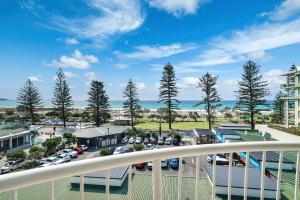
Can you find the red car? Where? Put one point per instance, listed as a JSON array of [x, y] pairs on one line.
[[146, 141], [140, 166], [79, 150]]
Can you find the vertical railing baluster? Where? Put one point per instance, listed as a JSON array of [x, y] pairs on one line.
[[229, 176], [296, 193], [81, 187], [197, 177], [279, 175], [246, 176], [15, 194], [51, 190], [262, 176], [156, 178], [214, 178], [179, 178], [129, 182], [107, 183]]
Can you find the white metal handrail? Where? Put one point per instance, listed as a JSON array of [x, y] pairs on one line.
[[12, 182]]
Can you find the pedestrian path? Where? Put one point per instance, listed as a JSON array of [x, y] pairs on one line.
[[276, 134]]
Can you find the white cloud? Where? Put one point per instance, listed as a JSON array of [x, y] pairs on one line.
[[34, 78], [140, 86], [273, 77], [71, 41], [121, 66], [259, 55], [177, 7], [76, 60], [285, 10], [100, 20], [146, 52], [69, 75], [188, 82], [90, 76]]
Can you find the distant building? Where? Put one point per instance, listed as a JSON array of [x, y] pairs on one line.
[[292, 97], [12, 141], [123, 121], [225, 134], [204, 136], [100, 136]]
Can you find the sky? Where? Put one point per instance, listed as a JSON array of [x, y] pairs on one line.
[[115, 40]]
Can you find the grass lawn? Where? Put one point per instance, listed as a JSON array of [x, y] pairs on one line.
[[186, 126]]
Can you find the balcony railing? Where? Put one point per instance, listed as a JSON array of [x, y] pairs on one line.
[[17, 181]]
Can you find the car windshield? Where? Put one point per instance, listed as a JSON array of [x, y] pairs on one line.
[[221, 155]]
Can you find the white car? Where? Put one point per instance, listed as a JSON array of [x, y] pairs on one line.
[[124, 140], [149, 147], [83, 147], [139, 140], [70, 152], [164, 163], [118, 150], [52, 161], [9, 167], [168, 141], [64, 157], [131, 140], [220, 159]]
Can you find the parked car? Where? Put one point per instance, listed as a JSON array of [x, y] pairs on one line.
[[149, 147], [140, 166], [150, 165], [124, 140], [146, 140], [153, 140], [70, 152], [9, 167], [174, 163], [83, 147], [175, 142], [78, 150], [127, 149], [64, 157], [220, 159], [118, 150], [139, 140], [161, 141], [111, 150], [164, 164], [168, 141], [131, 140], [51, 161]]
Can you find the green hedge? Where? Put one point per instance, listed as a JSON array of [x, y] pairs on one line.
[[291, 130]]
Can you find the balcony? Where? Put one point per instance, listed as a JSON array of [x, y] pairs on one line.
[[54, 182]]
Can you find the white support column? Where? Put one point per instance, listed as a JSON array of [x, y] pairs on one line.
[[179, 187], [81, 187], [15, 194], [107, 184], [156, 180], [197, 177], [286, 114], [262, 176], [296, 193], [214, 175], [229, 176], [1, 143], [129, 182], [278, 188], [51, 190], [246, 177], [10, 143]]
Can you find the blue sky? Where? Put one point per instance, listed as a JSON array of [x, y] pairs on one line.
[[114, 40]]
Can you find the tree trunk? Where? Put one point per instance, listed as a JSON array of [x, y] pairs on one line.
[[252, 120]]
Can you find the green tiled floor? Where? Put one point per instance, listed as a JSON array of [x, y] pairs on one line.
[[141, 190]]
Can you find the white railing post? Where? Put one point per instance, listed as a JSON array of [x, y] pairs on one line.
[[51, 190], [107, 183], [296, 193], [179, 178], [197, 177], [214, 178], [279, 176], [229, 176], [15, 194], [81, 187], [156, 180], [262, 176], [246, 177], [129, 182]]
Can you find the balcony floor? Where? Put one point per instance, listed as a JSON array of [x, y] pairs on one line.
[[142, 189]]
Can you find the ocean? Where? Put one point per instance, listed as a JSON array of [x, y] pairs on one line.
[[117, 104]]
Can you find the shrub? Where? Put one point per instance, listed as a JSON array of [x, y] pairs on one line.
[[17, 154], [36, 152], [291, 130], [51, 143], [30, 164], [138, 147], [104, 152]]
